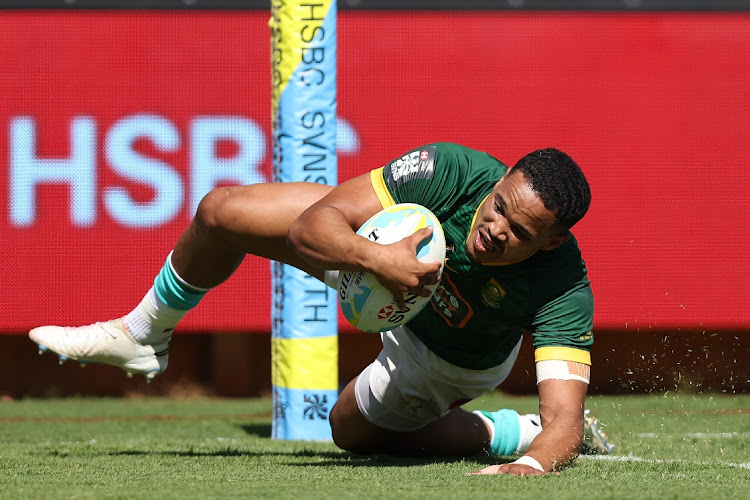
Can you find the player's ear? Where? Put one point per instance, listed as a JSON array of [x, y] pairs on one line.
[[555, 241]]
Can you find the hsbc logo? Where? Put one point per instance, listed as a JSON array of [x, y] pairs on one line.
[[394, 315], [385, 312], [95, 149]]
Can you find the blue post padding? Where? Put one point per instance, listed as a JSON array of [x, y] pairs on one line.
[[304, 149], [303, 306], [302, 414], [305, 123]]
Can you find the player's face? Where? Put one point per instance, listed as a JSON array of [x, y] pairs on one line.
[[512, 224]]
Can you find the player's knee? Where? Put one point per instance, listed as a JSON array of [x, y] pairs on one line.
[[216, 208], [338, 428], [346, 434]]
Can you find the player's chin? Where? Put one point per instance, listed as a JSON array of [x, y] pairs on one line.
[[473, 253], [482, 257]]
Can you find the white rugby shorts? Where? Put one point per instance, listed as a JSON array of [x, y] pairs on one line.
[[408, 385]]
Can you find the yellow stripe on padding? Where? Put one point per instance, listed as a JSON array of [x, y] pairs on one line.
[[287, 22], [306, 363], [563, 354], [378, 184]]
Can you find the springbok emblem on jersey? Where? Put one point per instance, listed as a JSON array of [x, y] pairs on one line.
[[492, 294]]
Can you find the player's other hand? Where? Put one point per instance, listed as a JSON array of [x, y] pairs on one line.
[[511, 469]]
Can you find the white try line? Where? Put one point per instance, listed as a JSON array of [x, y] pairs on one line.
[[633, 458], [695, 435]]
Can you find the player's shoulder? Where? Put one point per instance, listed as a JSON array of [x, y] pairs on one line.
[[441, 167]]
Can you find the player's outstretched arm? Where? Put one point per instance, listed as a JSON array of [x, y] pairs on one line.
[[325, 236], [561, 405]]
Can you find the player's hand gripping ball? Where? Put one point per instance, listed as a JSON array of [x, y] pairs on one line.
[[368, 305]]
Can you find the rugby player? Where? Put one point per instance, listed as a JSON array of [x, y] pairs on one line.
[[512, 265]]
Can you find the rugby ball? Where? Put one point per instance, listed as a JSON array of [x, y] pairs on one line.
[[366, 304]]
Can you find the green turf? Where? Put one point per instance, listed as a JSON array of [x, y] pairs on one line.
[[668, 446]]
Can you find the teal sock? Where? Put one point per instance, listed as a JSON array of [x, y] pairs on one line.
[[174, 291], [506, 435]]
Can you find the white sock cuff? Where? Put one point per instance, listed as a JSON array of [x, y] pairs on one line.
[[489, 423]]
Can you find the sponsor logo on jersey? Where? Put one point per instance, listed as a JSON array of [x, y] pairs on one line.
[[417, 164], [492, 294], [449, 303]]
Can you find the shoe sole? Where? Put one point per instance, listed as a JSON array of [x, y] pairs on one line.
[[136, 366], [595, 440]]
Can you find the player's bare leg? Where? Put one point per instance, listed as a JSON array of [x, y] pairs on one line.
[[230, 223], [457, 433]]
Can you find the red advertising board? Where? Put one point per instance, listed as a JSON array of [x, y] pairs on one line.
[[114, 123]]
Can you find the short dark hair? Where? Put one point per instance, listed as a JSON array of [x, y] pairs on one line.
[[559, 183]]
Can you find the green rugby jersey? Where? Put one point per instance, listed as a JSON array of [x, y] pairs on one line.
[[479, 312]]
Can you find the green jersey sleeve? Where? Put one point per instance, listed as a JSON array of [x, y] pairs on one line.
[[565, 322]]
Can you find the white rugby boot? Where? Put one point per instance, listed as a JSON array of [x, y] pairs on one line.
[[106, 342], [595, 441]]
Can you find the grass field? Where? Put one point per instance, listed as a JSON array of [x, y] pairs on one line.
[[668, 446]]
